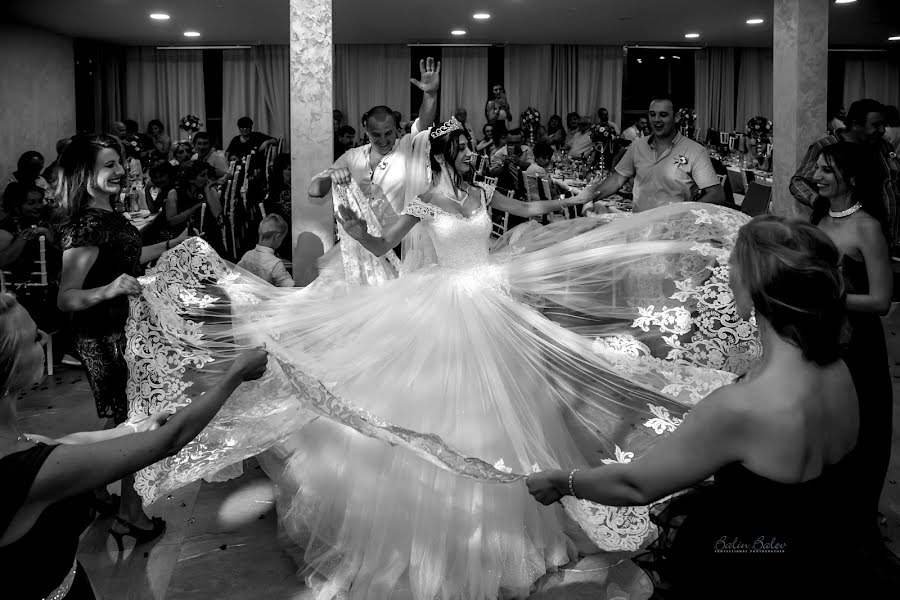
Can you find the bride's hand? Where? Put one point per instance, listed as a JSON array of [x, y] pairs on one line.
[[351, 222], [543, 486], [429, 76]]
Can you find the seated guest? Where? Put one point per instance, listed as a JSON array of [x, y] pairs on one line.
[[579, 144], [145, 143], [261, 261], [571, 128], [487, 146], [892, 127], [666, 166], [836, 121], [182, 153], [247, 141], [508, 162], [278, 197], [28, 170], [344, 140], [865, 130], [205, 152], [780, 443], [162, 181], [636, 130], [543, 154], [133, 168], [23, 219], [338, 119], [603, 119], [556, 135], [162, 143], [47, 482], [184, 206]]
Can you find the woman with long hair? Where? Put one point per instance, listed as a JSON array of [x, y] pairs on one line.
[[850, 211], [162, 143], [556, 133], [47, 483], [102, 255], [496, 109], [194, 203]]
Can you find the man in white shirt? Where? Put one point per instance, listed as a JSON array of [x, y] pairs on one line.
[[261, 261], [603, 119], [581, 142], [636, 130], [667, 167], [206, 153]]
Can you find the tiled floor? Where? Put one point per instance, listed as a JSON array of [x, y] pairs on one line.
[[221, 540]]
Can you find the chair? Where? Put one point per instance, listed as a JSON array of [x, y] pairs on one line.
[[757, 200], [722, 174]]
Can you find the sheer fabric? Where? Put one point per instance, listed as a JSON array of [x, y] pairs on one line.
[[401, 417]]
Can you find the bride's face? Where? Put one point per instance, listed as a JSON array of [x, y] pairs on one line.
[[463, 162]]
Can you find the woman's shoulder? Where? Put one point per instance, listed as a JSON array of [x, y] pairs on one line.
[[90, 227]]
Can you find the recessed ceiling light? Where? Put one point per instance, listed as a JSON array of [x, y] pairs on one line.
[[676, 56], [481, 16], [640, 61], [159, 16], [844, 1], [458, 32], [692, 35], [191, 34], [662, 58], [754, 21], [894, 38]]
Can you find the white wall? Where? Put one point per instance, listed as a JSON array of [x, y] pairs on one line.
[[37, 93]]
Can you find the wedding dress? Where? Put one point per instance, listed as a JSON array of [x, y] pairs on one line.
[[404, 415]]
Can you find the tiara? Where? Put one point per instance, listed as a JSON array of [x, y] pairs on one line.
[[451, 125]]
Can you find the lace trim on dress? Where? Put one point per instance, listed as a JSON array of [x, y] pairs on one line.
[[424, 210]]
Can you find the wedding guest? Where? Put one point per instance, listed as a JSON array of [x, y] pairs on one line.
[[262, 261], [102, 255], [50, 174], [543, 154], [780, 442], [162, 143], [118, 129], [205, 152], [865, 130], [892, 127], [850, 212], [579, 143], [185, 206], [636, 130], [603, 119], [23, 219], [144, 141], [836, 121], [344, 140], [162, 181], [246, 141], [571, 128], [338, 119], [509, 161], [278, 198], [497, 110], [487, 146], [462, 115], [556, 134], [182, 153], [47, 482], [666, 166], [28, 170]]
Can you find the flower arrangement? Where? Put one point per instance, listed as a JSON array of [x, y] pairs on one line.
[[190, 123], [602, 134], [687, 116], [531, 122], [759, 128]]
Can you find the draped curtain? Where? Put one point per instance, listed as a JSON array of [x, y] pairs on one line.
[[871, 76], [164, 85], [255, 83], [529, 80], [714, 90], [565, 82], [755, 85], [109, 88], [464, 84], [368, 75], [601, 72]]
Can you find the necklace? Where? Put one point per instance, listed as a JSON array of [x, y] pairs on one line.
[[844, 213], [459, 201]]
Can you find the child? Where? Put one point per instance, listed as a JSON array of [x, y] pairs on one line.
[[261, 261]]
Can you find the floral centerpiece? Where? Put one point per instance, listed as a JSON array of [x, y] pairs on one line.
[[603, 136], [531, 123], [760, 129], [686, 119], [190, 123]]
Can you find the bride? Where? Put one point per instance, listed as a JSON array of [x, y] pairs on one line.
[[403, 417]]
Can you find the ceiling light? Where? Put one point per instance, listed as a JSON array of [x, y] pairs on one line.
[[458, 32], [844, 1], [894, 38], [640, 61], [692, 35], [481, 16], [676, 56], [159, 16], [191, 34], [662, 58], [754, 21]]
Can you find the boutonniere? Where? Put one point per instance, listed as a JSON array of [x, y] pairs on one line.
[[893, 155], [681, 160]]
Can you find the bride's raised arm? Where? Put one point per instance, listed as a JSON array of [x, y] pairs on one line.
[[356, 227], [504, 203]]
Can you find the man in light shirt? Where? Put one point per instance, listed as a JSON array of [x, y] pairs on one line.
[[261, 261], [206, 153], [667, 167], [636, 130], [581, 142], [603, 119], [508, 162]]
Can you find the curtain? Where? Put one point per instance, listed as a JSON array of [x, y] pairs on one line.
[[369, 75], [529, 80], [255, 83], [164, 85], [755, 85], [600, 79], [871, 76], [565, 82], [714, 90], [109, 86], [464, 84]]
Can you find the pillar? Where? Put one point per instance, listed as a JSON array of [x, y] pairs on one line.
[[800, 90], [311, 81]]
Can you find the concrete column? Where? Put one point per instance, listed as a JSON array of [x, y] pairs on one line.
[[312, 150], [800, 90]]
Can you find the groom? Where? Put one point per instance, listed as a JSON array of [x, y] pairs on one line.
[[379, 167]]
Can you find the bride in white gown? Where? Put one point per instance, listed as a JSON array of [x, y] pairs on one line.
[[379, 403]]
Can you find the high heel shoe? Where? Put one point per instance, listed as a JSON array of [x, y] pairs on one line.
[[140, 535]]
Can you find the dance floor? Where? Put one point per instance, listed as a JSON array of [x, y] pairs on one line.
[[221, 538]]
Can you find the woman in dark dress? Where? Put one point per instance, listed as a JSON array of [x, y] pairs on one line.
[[102, 255], [184, 206], [850, 211], [780, 443], [46, 504]]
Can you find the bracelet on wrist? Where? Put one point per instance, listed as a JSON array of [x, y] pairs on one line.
[[572, 483]]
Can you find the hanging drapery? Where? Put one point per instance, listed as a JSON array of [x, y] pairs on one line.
[[565, 82], [600, 79], [755, 85], [164, 85], [369, 75], [255, 84], [714, 90], [109, 88], [464, 84], [871, 76], [529, 80]]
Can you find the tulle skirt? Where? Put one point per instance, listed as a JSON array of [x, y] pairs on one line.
[[542, 357]]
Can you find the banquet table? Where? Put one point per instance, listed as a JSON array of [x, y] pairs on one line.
[[736, 178], [142, 222]]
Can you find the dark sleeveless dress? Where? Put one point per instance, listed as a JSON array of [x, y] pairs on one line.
[[37, 563]]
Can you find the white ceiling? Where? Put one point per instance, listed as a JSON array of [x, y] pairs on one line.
[[866, 23]]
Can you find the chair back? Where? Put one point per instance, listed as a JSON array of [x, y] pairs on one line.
[[757, 200], [722, 174]]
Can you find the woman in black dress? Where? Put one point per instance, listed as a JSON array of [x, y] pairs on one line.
[[46, 504], [781, 444], [184, 206], [102, 255], [849, 209]]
